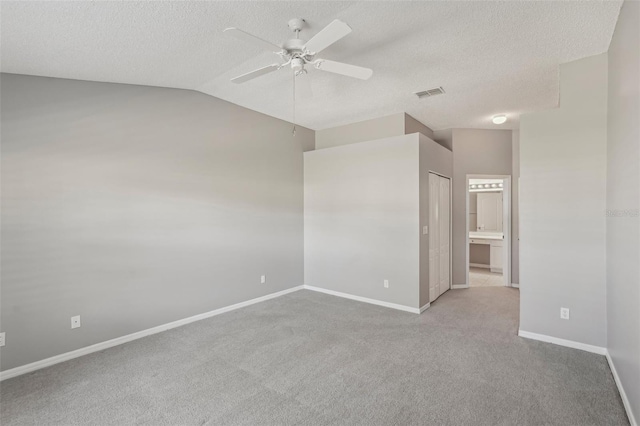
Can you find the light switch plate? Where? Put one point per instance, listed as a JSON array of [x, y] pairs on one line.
[[2, 339], [425, 230], [263, 279]]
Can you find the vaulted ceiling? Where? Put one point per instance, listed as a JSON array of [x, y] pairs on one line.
[[490, 57]]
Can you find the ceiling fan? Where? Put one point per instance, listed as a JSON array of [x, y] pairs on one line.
[[297, 53]]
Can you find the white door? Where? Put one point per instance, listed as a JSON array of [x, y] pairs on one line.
[[434, 235], [490, 211], [444, 237], [439, 236]]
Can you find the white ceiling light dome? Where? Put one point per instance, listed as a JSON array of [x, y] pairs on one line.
[[499, 119]]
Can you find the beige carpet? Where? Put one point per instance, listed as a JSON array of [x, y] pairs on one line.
[[313, 359]]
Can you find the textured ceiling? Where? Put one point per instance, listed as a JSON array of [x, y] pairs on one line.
[[490, 57]]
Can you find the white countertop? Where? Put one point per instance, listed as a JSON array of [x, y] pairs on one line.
[[481, 235]]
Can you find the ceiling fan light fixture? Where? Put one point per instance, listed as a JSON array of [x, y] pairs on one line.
[[297, 64], [499, 119]]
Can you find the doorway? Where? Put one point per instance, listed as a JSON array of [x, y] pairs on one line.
[[488, 260]]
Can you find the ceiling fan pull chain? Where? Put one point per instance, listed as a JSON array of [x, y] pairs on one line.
[[294, 104]]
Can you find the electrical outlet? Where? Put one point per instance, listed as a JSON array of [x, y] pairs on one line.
[[386, 283], [263, 279], [75, 321], [2, 339], [564, 313]]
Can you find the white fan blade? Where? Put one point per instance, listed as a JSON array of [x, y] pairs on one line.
[[344, 69], [255, 73], [303, 86], [327, 36], [250, 38]]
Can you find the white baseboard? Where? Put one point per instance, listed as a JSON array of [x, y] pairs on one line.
[[364, 299], [459, 286], [479, 265], [27, 368], [425, 307], [514, 285], [563, 342], [623, 394]]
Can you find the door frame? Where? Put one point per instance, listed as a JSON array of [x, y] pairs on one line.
[[506, 226], [450, 228]]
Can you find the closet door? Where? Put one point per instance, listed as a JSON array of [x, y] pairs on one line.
[[434, 236], [443, 230]]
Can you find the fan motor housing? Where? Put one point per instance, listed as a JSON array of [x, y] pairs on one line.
[[294, 45]]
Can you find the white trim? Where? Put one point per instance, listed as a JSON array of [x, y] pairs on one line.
[[459, 286], [364, 299], [514, 285], [27, 368], [623, 394], [479, 265], [563, 342], [425, 307]]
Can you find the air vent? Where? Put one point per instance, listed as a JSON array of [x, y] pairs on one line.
[[430, 92]]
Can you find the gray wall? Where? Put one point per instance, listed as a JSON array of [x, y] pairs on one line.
[[368, 130], [433, 158], [377, 128], [444, 138], [623, 202], [411, 125], [481, 152], [480, 254], [136, 206], [562, 208], [361, 219]]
